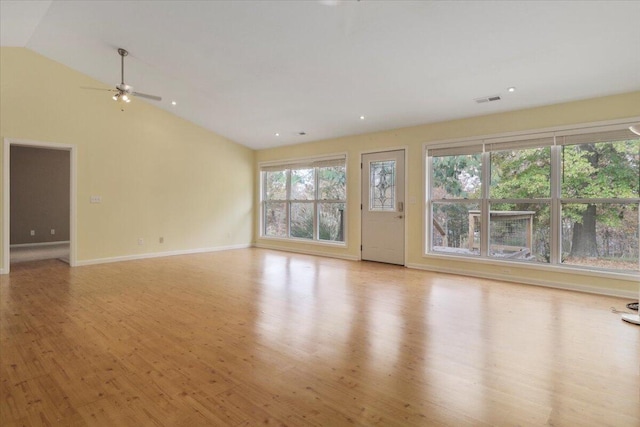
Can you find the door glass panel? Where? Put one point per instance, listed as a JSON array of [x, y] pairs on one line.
[[382, 186]]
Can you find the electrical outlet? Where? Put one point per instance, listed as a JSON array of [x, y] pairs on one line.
[[161, 239], [33, 232], [96, 199], [53, 231], [140, 241]]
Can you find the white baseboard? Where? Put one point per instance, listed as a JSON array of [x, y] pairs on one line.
[[35, 245], [531, 281], [158, 254], [2, 271], [306, 252]]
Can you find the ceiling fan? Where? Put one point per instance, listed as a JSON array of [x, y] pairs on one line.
[[124, 92]]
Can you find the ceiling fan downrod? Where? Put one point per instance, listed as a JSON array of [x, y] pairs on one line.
[[123, 53]]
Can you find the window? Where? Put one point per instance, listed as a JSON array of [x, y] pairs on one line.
[[456, 187], [599, 199], [571, 198], [305, 200]]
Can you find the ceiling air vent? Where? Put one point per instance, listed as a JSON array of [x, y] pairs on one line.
[[487, 99]]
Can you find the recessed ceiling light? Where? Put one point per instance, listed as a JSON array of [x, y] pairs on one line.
[[277, 134], [511, 89], [361, 117], [173, 103]]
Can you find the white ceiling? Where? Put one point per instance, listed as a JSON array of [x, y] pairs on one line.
[[249, 69]]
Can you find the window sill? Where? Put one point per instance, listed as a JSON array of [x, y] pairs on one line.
[[304, 241], [566, 269]]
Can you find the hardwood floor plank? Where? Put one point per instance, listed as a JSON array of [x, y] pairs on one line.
[[262, 407], [252, 336]]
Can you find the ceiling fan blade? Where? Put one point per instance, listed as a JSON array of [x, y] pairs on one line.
[[144, 95], [98, 88]]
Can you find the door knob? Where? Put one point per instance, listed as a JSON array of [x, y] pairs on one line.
[[399, 216]]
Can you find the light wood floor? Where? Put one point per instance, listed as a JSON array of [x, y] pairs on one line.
[[252, 337]]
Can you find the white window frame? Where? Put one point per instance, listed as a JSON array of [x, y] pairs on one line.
[[287, 166], [512, 140]]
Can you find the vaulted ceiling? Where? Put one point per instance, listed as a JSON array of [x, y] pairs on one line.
[[249, 70]]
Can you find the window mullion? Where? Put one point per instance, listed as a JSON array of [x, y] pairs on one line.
[[263, 202], [288, 195], [484, 204], [316, 212], [556, 207], [428, 213]]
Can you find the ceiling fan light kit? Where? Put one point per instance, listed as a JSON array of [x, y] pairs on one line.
[[120, 97]]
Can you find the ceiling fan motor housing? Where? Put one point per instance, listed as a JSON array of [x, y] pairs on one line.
[[124, 88]]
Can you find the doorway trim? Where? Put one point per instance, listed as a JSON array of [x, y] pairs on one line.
[[6, 193], [405, 149]]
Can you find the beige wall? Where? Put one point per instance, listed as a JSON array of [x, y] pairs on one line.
[[39, 195], [158, 175], [593, 110]]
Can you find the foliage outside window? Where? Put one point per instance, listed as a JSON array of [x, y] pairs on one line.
[[569, 198], [305, 200]]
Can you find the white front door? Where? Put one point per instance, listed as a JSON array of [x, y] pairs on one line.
[[383, 209]]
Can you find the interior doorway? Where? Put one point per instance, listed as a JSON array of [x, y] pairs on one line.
[[38, 202], [383, 207]]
